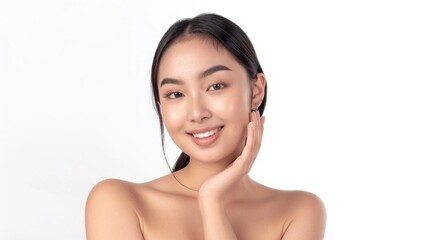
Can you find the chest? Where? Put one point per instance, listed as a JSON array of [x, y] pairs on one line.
[[181, 219]]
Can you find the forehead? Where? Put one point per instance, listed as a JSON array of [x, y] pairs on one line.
[[188, 57]]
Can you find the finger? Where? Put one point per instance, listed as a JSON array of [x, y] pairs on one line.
[[262, 125], [251, 136], [258, 121], [245, 159], [259, 128], [254, 144]]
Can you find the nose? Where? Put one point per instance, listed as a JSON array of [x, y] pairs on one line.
[[197, 109]]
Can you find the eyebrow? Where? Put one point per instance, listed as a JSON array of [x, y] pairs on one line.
[[206, 73], [214, 69], [171, 81]]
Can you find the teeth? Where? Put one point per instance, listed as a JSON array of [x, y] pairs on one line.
[[206, 134]]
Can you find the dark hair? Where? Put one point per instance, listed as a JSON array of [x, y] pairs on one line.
[[222, 31]]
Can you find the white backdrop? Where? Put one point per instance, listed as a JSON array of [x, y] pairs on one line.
[[347, 113]]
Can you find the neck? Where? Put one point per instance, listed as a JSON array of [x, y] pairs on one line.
[[196, 173]]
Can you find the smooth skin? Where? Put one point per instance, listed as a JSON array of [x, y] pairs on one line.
[[203, 88]]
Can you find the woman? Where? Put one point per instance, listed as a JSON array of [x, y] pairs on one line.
[[210, 92]]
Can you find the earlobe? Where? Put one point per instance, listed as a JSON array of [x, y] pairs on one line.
[[256, 106]]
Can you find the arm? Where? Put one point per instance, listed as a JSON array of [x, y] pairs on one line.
[[215, 221], [109, 213], [309, 221], [210, 197]]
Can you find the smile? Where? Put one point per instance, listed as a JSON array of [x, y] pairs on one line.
[[205, 138], [207, 134]]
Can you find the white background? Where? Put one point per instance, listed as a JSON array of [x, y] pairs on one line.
[[347, 113]]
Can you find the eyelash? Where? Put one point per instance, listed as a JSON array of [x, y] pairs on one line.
[[223, 85], [173, 95]]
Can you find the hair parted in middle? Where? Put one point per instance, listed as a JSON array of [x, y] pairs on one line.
[[223, 32]]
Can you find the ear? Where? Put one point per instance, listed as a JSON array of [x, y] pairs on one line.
[[258, 90]]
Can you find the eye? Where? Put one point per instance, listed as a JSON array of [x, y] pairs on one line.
[[173, 95], [216, 86]]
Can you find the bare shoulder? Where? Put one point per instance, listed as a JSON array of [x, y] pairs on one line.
[[110, 191], [304, 201], [306, 215], [110, 211]]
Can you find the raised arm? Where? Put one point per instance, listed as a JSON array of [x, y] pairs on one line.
[[212, 192], [109, 213]]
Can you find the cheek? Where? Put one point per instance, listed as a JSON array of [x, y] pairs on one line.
[[237, 105], [172, 116]]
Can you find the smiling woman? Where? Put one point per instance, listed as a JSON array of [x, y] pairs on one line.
[[210, 92]]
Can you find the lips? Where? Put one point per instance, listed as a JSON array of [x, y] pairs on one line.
[[207, 134], [205, 137]]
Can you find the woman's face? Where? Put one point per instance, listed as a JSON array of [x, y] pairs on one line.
[[205, 100]]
